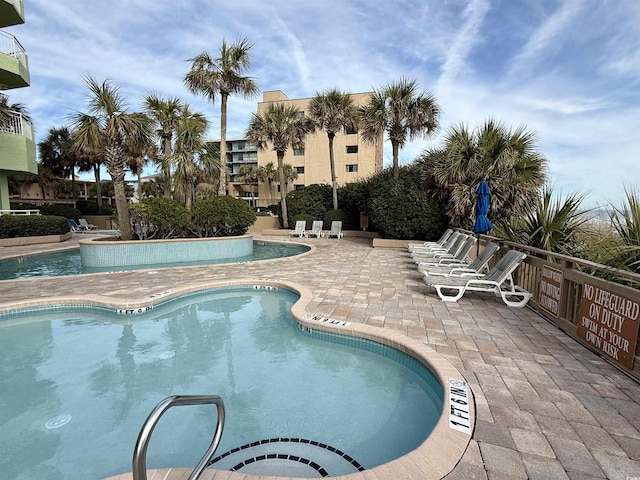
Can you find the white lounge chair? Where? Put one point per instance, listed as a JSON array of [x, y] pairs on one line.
[[451, 251], [498, 280], [87, 225], [449, 267], [426, 249], [299, 230], [336, 229], [316, 229], [447, 233]]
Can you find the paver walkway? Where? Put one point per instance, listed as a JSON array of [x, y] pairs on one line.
[[547, 408]]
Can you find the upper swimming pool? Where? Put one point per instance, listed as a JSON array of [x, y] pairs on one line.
[[68, 262], [78, 383]]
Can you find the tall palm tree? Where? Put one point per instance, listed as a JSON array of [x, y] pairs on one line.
[[267, 173], [58, 155], [282, 127], [91, 162], [400, 111], [190, 144], [333, 112], [137, 155], [507, 159], [290, 175], [249, 175], [222, 76], [108, 128], [165, 113]]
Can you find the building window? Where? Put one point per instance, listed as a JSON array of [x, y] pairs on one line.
[[352, 148], [298, 186], [299, 114], [298, 152], [299, 170], [352, 130], [353, 167]]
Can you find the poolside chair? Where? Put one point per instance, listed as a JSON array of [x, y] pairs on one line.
[[336, 229], [299, 230], [460, 257], [87, 225], [426, 249], [450, 267], [497, 280], [316, 229], [74, 226], [450, 252], [447, 233]]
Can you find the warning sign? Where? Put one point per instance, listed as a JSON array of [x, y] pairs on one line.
[[609, 322], [550, 290]]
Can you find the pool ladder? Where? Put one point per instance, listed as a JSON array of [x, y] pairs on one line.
[[140, 452]]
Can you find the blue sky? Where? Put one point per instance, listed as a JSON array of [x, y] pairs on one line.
[[569, 70]]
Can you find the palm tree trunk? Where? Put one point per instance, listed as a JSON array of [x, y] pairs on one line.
[[283, 190], [222, 187], [96, 174], [115, 167], [334, 181], [396, 167], [166, 167]]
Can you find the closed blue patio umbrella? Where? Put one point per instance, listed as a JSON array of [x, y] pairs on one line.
[[482, 225]]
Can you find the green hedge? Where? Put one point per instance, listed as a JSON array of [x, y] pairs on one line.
[[221, 217], [12, 226]]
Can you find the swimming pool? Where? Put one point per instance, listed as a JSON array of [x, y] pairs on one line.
[[68, 262], [77, 384]]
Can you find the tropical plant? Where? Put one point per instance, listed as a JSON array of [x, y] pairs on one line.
[[626, 223], [165, 113], [189, 147], [222, 76], [290, 175], [248, 174], [8, 111], [108, 128], [159, 217], [58, 155], [555, 224], [267, 173], [400, 111], [507, 159], [221, 217], [137, 155], [92, 161], [281, 127], [333, 111]]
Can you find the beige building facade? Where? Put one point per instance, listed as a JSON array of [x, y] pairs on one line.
[[354, 158]]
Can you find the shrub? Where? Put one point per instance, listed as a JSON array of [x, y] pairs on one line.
[[399, 209], [221, 217], [307, 218], [12, 226], [312, 200], [159, 217], [334, 215], [66, 211], [352, 200]]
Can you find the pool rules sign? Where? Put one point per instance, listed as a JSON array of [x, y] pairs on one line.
[[609, 322]]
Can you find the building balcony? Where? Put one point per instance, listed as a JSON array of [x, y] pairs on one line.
[[17, 145], [11, 13], [14, 63]]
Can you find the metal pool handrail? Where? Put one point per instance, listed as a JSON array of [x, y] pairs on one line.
[[140, 452]]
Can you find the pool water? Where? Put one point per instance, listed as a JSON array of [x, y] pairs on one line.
[[68, 262], [76, 385]]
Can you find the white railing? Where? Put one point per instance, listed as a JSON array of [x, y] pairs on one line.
[[19, 212], [10, 45], [16, 124]]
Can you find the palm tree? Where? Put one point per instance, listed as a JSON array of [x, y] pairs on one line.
[[165, 113], [137, 156], [282, 127], [108, 128], [91, 162], [249, 175], [400, 111], [190, 144], [333, 112], [58, 155], [626, 223], [222, 76], [289, 176], [507, 159], [267, 173]]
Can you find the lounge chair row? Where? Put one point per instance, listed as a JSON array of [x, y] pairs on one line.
[[82, 226], [316, 229], [445, 266]]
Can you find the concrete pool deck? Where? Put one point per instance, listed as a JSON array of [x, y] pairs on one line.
[[546, 407]]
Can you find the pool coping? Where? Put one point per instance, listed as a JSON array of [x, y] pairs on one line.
[[433, 459]]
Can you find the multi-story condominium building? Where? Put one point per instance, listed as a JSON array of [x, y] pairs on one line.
[[354, 158], [17, 142]]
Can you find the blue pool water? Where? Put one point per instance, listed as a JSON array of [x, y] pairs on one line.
[[68, 262], [76, 385]]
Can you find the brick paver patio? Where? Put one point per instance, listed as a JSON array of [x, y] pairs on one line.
[[546, 407]]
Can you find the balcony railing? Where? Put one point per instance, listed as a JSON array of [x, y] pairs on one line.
[[9, 45], [14, 123]]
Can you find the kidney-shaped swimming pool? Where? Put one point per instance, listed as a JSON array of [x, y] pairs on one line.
[[78, 383]]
